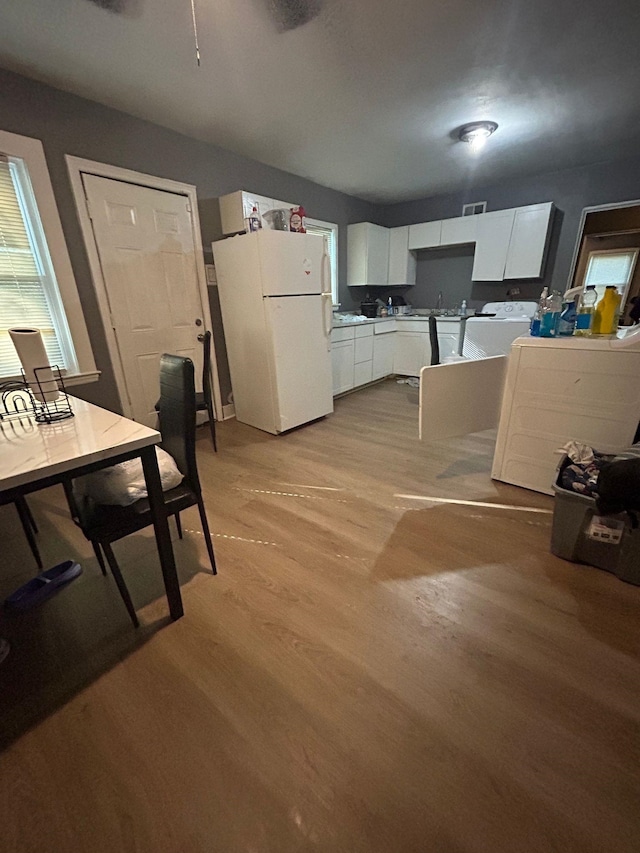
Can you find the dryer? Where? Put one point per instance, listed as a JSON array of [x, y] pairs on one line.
[[493, 335]]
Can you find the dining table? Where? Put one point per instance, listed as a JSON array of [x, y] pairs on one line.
[[34, 456]]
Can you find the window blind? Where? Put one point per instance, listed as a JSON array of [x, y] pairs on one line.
[[611, 268], [329, 233], [24, 279]]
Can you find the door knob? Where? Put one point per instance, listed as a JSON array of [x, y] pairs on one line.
[[201, 338]]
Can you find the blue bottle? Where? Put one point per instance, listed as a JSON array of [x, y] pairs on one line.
[[567, 321], [551, 315]]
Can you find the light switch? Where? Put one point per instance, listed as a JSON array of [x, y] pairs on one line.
[[211, 274]]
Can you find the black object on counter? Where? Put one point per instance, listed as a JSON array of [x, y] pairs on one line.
[[369, 307]]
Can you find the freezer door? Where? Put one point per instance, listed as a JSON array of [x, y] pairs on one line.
[[301, 359], [290, 263]]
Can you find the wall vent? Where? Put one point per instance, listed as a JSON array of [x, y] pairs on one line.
[[474, 207]]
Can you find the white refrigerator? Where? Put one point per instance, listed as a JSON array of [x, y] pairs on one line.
[[275, 298]]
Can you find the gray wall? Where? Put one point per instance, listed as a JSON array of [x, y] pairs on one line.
[[67, 124], [449, 270]]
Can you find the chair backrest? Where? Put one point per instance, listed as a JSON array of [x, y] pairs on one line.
[[433, 340], [206, 367], [177, 415]]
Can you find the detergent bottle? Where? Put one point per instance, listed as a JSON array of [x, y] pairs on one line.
[[605, 316], [584, 317]]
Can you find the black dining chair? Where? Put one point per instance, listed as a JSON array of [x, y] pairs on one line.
[[102, 525], [204, 398], [433, 340]]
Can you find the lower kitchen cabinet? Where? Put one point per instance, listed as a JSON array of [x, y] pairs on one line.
[[342, 359], [412, 352], [383, 349]]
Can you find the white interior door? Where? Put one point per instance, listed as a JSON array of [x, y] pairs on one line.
[[144, 239]]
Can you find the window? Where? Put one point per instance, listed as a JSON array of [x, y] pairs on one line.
[[328, 230], [613, 266], [37, 288]]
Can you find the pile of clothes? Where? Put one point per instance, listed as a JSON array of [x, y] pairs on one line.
[[613, 481]]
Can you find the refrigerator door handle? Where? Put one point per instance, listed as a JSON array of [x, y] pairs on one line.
[[327, 306]]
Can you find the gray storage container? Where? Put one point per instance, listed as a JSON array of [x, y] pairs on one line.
[[572, 516]]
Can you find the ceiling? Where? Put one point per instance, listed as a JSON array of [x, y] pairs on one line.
[[365, 95]]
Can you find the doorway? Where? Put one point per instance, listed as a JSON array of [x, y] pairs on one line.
[[143, 241], [607, 252]]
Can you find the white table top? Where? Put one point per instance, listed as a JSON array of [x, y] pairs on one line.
[[30, 451]]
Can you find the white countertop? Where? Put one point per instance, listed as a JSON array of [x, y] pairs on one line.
[[395, 318]]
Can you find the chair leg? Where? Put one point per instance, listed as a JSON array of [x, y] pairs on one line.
[[23, 512], [117, 574], [207, 534], [212, 426], [178, 525], [99, 557]]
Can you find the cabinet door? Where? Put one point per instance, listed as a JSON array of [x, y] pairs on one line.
[[363, 349], [367, 254], [462, 229], [362, 373], [342, 366], [383, 348], [528, 244], [492, 244], [412, 351], [425, 235], [402, 263]]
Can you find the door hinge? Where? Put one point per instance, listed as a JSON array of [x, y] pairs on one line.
[[88, 203], [188, 208]]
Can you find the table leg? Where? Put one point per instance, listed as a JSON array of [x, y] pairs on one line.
[[161, 527]]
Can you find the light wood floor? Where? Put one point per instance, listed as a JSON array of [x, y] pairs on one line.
[[368, 672]]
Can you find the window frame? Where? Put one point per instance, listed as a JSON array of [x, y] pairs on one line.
[[631, 250], [333, 257], [31, 152]]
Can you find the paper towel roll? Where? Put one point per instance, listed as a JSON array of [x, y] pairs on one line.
[[31, 352]]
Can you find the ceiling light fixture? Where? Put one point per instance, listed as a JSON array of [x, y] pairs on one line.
[[477, 132]]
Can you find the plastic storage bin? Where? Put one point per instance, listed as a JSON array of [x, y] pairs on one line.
[[572, 517]]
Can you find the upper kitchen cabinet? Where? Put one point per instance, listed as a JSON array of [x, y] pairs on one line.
[[402, 262], [367, 254], [462, 229], [529, 239], [493, 234], [425, 235], [236, 207]]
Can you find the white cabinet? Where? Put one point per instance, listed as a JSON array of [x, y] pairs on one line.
[[363, 355], [425, 235], [342, 353], [236, 207], [528, 243], [367, 254], [402, 263], [412, 351], [383, 350], [493, 234], [460, 230]]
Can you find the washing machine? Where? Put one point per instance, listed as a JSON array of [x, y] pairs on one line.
[[494, 333]]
